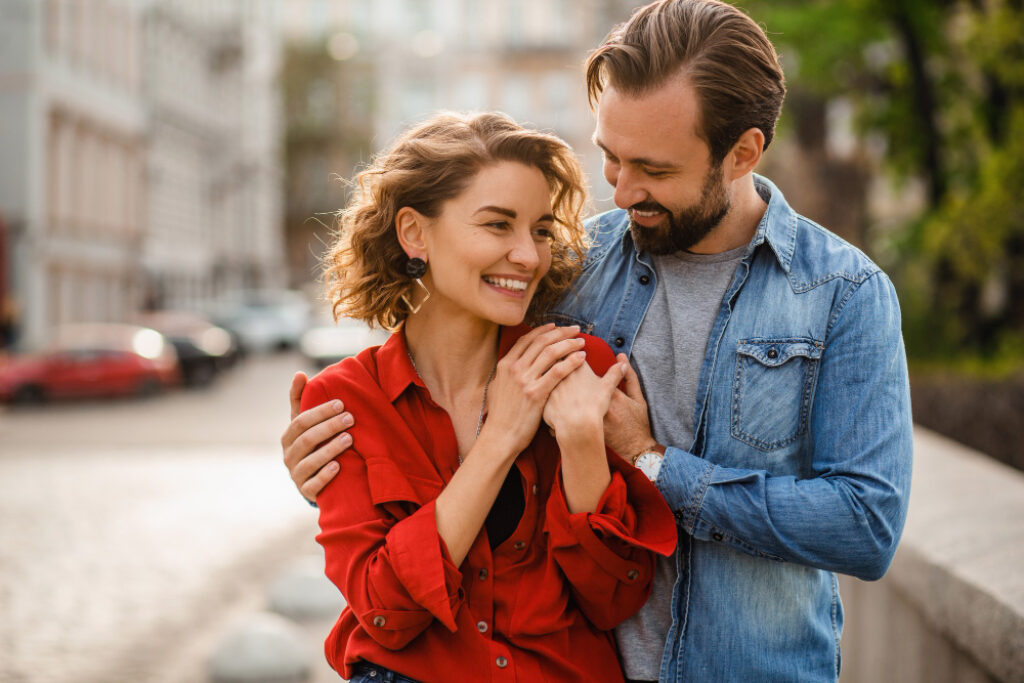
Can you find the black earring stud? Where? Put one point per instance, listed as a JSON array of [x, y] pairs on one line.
[[415, 267]]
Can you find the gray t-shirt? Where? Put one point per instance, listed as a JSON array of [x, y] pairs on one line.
[[667, 355]]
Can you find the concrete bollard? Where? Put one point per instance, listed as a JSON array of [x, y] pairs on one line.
[[302, 592], [264, 648]]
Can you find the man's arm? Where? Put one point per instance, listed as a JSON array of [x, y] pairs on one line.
[[847, 516], [313, 440]]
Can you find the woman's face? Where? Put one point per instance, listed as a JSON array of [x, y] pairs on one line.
[[490, 246]]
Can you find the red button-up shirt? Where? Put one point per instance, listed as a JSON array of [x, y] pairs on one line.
[[533, 609]]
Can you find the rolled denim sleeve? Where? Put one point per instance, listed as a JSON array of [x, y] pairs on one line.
[[847, 514]]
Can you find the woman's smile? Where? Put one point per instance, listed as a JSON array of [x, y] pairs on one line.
[[509, 285]]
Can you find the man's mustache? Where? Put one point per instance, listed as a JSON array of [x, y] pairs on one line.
[[648, 206]]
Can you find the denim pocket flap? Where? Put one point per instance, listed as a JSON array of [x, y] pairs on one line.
[[775, 352]]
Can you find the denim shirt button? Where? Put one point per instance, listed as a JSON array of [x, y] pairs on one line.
[[619, 341], [644, 279], [773, 353], [717, 536]]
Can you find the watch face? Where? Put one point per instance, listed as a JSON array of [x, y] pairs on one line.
[[650, 464]]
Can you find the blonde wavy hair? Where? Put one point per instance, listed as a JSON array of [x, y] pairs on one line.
[[364, 269]]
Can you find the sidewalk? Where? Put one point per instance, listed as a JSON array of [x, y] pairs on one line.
[[129, 565]]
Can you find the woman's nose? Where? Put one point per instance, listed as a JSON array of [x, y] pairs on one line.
[[524, 251]]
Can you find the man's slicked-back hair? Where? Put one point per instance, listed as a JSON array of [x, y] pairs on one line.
[[721, 52]]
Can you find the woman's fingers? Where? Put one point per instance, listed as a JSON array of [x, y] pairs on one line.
[[524, 342], [541, 342], [552, 353], [557, 372]]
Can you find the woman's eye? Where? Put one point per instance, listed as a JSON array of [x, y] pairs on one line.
[[499, 225], [543, 233]]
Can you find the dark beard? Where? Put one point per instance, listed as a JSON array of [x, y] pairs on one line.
[[680, 231]]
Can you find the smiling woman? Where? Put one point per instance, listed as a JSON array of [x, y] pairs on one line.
[[463, 536], [427, 166]]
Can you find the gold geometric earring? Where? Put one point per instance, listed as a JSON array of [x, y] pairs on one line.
[[415, 268]]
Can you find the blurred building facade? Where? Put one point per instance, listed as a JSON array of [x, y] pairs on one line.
[[384, 65], [139, 155]]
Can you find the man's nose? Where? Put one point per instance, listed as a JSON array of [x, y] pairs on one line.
[[627, 190]]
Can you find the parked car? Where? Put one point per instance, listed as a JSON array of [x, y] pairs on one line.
[[328, 343], [92, 360], [264, 319], [203, 348]]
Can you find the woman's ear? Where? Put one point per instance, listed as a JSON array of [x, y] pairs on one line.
[[409, 226]]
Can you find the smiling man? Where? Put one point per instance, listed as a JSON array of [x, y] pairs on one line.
[[777, 415]]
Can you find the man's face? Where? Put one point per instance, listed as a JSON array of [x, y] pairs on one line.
[[660, 168]]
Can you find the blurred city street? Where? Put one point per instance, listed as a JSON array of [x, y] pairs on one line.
[[136, 531]]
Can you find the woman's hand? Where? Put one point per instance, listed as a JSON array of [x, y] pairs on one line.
[[577, 406], [524, 379], [575, 411]]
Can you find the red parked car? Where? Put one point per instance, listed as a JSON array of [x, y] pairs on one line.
[[92, 360]]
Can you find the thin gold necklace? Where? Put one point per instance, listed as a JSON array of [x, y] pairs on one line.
[[483, 403]]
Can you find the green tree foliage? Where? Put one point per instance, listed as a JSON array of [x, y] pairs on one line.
[[941, 83]]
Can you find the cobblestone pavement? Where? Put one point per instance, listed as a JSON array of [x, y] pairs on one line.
[[133, 532]]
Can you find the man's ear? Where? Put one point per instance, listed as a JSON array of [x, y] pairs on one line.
[[409, 226], [745, 155]]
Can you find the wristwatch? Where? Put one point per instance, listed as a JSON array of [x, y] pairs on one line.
[[649, 462]]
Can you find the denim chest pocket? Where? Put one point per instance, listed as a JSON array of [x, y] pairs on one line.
[[772, 390]]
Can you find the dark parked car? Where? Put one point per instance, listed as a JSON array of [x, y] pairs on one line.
[[203, 348], [92, 360]]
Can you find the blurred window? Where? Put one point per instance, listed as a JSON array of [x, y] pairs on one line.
[[515, 97], [471, 92], [513, 23], [558, 86]]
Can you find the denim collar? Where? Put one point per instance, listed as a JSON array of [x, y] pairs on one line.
[[777, 226]]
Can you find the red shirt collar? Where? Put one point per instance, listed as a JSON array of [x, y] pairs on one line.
[[396, 369]]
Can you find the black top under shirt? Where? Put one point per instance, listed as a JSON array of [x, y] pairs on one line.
[[507, 510]]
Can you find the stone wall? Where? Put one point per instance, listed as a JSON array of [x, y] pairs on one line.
[[951, 607]]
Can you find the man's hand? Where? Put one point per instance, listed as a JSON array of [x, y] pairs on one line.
[[627, 426], [313, 439]]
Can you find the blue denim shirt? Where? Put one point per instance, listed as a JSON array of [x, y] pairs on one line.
[[801, 460]]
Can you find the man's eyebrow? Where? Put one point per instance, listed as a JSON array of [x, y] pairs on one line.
[[638, 161], [510, 212]]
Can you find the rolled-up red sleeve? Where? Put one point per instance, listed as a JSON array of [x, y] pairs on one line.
[[395, 571], [608, 556]]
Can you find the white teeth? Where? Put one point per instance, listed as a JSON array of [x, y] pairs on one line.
[[645, 214], [505, 283]]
